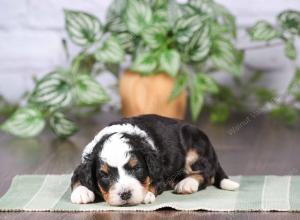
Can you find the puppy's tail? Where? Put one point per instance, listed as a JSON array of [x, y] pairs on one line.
[[222, 181]]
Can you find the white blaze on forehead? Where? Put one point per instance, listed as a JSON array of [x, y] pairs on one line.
[[115, 151], [121, 128]]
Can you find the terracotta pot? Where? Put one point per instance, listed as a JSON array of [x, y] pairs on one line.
[[149, 95]]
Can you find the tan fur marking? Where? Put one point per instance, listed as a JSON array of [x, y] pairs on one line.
[[104, 194], [191, 157], [133, 162], [212, 180], [104, 168], [75, 185], [198, 177]]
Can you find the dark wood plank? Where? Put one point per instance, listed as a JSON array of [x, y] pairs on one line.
[[260, 147]]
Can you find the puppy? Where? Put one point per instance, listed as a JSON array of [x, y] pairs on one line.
[[133, 160]]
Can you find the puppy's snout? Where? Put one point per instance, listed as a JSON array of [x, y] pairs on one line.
[[125, 195]]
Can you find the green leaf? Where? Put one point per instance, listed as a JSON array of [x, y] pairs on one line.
[[204, 82], [174, 12], [228, 20], [115, 10], [264, 95], [25, 122], [170, 62], [110, 51], [290, 49], [294, 86], [290, 21], [88, 92], [219, 113], [185, 27], [264, 31], [285, 114], [53, 90], [138, 16], [226, 57], [199, 45], [180, 85], [160, 16], [83, 29], [204, 6], [154, 36], [144, 63], [62, 126], [126, 40], [196, 102]]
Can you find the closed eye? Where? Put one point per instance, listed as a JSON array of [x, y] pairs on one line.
[[103, 174]]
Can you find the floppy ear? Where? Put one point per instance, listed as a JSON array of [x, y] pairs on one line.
[[155, 167], [153, 163], [84, 175]]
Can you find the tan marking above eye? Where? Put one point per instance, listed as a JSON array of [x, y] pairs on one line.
[[133, 162], [104, 168]]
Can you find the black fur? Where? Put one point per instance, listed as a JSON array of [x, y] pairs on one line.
[[165, 165]]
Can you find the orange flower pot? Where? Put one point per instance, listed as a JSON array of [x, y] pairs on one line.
[[150, 95]]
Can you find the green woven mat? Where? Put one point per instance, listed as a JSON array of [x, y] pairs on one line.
[[257, 193]]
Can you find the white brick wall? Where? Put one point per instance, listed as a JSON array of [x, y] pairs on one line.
[[31, 33]]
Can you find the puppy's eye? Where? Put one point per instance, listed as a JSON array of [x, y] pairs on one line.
[[103, 174], [137, 168]]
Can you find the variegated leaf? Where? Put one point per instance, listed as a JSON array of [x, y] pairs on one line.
[[144, 63], [138, 16], [205, 83], [263, 30], [180, 85], [290, 49], [110, 51], [290, 21], [62, 126], [87, 91], [226, 57], [170, 62], [25, 122], [174, 12], [185, 27], [204, 6], [154, 36], [126, 41], [115, 10], [83, 29], [199, 45], [53, 90], [196, 101]]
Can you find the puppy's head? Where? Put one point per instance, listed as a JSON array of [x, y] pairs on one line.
[[122, 171]]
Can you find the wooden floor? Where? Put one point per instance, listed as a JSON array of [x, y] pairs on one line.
[[258, 146]]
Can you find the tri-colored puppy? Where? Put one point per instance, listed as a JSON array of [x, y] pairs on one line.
[[133, 160]]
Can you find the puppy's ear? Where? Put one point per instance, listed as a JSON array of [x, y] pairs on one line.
[[84, 175], [190, 136], [153, 163]]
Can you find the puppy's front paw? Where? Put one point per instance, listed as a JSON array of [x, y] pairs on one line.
[[149, 198], [187, 186], [82, 195]]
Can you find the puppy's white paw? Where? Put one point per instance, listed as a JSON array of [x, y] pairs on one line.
[[149, 198], [187, 186], [82, 195]]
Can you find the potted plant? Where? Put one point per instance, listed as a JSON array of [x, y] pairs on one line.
[[173, 48]]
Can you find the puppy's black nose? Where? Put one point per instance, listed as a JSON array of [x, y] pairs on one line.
[[125, 195]]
